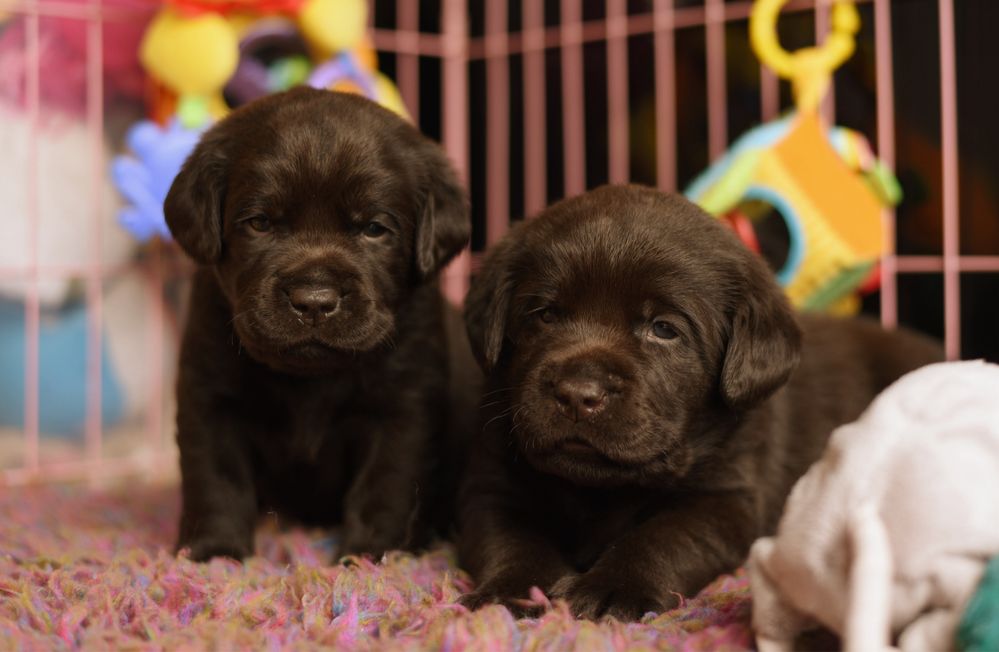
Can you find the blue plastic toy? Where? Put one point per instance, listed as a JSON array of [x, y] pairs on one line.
[[144, 181]]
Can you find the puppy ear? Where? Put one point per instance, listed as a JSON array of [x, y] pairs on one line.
[[444, 226], [193, 206], [764, 342], [488, 302]]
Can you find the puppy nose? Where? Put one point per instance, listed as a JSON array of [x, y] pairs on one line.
[[580, 398], [314, 303]]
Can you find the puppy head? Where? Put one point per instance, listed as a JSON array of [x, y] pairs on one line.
[[320, 213], [629, 327]]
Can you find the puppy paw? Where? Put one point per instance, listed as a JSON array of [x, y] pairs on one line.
[[205, 548], [360, 540], [490, 593], [594, 595], [481, 597], [374, 535], [372, 550]]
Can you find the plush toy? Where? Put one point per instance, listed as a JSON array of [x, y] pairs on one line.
[[51, 222], [889, 533], [58, 213], [824, 182]]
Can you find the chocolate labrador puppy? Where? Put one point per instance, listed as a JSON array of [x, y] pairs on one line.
[[652, 398], [314, 367]]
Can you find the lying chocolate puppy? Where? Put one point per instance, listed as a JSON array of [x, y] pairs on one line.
[[651, 399], [314, 367]]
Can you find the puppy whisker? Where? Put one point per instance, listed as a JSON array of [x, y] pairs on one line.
[[501, 415], [497, 391], [491, 403]]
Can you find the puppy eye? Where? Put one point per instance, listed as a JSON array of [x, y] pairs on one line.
[[260, 224], [548, 315], [374, 229], [664, 331]]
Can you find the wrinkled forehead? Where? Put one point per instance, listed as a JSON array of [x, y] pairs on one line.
[[330, 166], [615, 261]]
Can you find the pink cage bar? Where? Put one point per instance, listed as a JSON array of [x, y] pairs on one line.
[[451, 46]]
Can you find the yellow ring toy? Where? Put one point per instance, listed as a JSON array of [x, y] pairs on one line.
[[809, 69]]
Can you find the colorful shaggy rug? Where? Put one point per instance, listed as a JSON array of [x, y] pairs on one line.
[[94, 571]]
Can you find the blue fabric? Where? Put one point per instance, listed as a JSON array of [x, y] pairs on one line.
[[979, 628], [62, 371]]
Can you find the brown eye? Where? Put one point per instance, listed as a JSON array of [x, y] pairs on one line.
[[664, 331], [374, 230], [260, 224], [547, 315]]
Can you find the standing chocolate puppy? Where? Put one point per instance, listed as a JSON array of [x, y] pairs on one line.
[[651, 399], [314, 367]]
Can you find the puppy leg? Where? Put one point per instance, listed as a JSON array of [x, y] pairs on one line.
[[507, 558], [381, 509], [675, 553], [219, 501], [501, 543]]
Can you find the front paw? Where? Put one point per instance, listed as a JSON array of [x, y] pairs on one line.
[[595, 594], [363, 539], [516, 600], [215, 536], [373, 533], [204, 548], [354, 546]]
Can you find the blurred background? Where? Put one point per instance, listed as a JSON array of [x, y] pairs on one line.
[[533, 99]]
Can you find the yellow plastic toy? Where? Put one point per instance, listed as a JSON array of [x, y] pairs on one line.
[[824, 182], [206, 57], [204, 53]]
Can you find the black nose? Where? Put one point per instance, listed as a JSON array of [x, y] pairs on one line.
[[314, 303], [580, 398]]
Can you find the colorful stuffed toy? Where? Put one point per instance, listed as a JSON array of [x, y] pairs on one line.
[[59, 219], [194, 47], [888, 535], [50, 222], [209, 56], [824, 182]]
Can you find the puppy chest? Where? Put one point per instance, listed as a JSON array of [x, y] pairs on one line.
[[304, 464], [299, 426], [591, 523]]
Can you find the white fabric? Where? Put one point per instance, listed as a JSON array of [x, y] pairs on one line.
[[889, 532]]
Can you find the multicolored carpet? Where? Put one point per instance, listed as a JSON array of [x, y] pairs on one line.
[[94, 571]]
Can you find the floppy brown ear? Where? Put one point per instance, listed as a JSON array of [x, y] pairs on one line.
[[764, 342], [488, 303], [193, 206], [444, 225]]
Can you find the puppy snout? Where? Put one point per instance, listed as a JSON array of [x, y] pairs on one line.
[[580, 398], [313, 303]]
